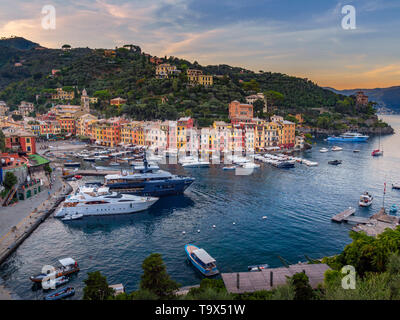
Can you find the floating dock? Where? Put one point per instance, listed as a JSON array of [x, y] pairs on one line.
[[358, 220], [340, 217]]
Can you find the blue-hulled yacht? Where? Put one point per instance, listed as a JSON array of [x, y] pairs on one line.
[[148, 182]]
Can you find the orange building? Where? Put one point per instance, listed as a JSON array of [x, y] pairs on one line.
[[50, 127], [239, 112], [118, 101], [67, 124], [20, 140]]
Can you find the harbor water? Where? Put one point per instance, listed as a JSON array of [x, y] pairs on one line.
[[298, 204]]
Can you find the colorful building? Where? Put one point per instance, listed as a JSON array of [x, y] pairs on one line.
[[197, 77], [67, 124], [26, 108], [20, 140], [239, 112], [118, 101], [60, 94], [164, 70], [287, 134]]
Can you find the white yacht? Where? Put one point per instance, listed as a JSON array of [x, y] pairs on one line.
[[250, 165], [336, 148], [92, 201], [196, 164], [323, 150]]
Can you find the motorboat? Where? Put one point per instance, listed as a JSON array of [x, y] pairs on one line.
[[377, 153], [72, 164], [60, 293], [250, 165], [114, 164], [258, 267], [393, 209], [284, 164], [365, 200], [310, 163], [196, 164], [356, 151], [94, 201], [60, 281], [323, 150], [396, 186], [89, 159], [348, 137], [67, 266], [335, 162], [70, 217], [201, 260], [336, 148], [229, 168]]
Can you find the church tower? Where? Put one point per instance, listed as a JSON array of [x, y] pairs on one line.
[[85, 101]]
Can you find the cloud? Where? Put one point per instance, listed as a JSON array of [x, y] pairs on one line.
[[302, 39]]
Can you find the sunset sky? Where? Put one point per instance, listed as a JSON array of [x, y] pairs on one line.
[[300, 38]]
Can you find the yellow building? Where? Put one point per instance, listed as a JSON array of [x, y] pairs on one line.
[[197, 77], [165, 69], [205, 80], [63, 95], [287, 134], [83, 125]]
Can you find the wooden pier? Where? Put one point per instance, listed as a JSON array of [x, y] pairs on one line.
[[358, 220], [340, 217], [268, 279]]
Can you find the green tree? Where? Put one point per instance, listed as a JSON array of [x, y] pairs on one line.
[[96, 287], [10, 180], [48, 169], [155, 277], [302, 288], [274, 97]]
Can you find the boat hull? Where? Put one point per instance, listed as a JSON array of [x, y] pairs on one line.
[[158, 188], [114, 209], [340, 139], [60, 294]]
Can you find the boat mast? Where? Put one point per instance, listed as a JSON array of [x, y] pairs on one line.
[[384, 193]]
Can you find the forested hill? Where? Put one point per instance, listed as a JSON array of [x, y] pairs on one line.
[[17, 43], [130, 74], [385, 97]]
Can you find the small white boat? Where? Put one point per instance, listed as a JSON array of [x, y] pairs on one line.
[[196, 164], [229, 168], [70, 217], [323, 150], [310, 163], [365, 200], [396, 186], [114, 164], [250, 165], [336, 148]]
